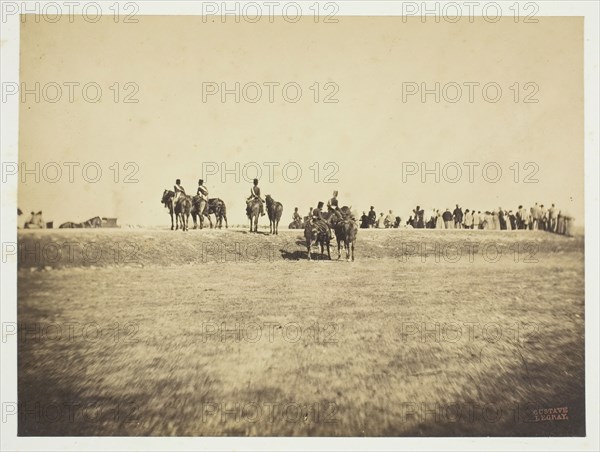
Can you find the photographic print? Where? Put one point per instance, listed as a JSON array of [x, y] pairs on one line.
[[299, 219]]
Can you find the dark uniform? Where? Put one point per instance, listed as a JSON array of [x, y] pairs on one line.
[[318, 222], [372, 217]]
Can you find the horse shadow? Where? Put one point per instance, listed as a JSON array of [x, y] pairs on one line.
[[300, 255], [254, 232], [295, 255]]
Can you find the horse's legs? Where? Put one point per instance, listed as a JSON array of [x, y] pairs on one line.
[[171, 220], [339, 242], [352, 245], [308, 244], [225, 217]]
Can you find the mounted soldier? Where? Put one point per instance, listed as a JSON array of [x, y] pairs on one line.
[[179, 190], [255, 195], [202, 192], [333, 204], [317, 220]]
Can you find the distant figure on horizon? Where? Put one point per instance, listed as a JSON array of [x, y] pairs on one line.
[[364, 221], [372, 217], [447, 217], [389, 220], [458, 217]]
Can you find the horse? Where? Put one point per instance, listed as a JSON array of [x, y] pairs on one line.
[[215, 206], [345, 230], [314, 232], [95, 222], [297, 224], [35, 222], [252, 211], [274, 211], [182, 211], [196, 201], [167, 200]]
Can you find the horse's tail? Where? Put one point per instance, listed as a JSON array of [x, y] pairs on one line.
[[278, 211]]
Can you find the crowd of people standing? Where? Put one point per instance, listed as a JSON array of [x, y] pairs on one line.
[[537, 217]]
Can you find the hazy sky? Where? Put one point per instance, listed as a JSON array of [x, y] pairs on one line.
[[367, 135]]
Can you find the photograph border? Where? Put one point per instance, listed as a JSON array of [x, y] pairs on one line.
[[9, 72]]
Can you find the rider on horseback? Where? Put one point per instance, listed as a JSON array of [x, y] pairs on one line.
[[178, 189], [203, 193], [317, 220], [255, 194], [337, 214], [332, 204]]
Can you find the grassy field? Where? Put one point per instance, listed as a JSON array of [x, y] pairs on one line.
[[439, 333]]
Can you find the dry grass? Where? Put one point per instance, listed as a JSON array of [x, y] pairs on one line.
[[368, 371]]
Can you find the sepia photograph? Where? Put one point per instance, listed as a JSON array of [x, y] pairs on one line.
[[308, 224]]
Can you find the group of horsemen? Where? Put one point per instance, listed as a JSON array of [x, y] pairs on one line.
[[315, 216]]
